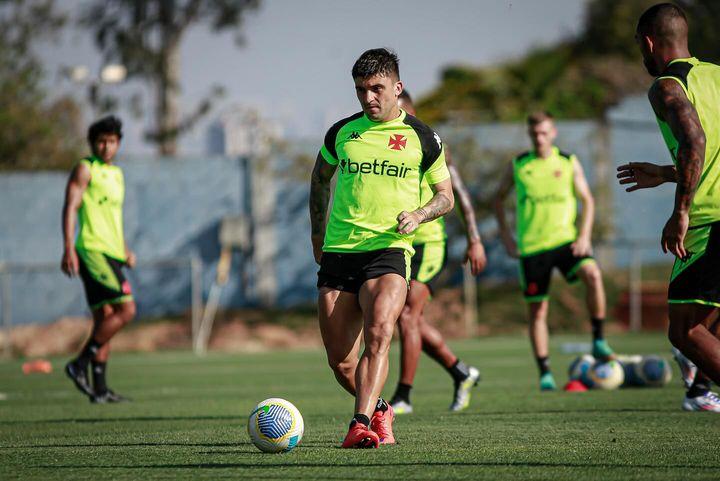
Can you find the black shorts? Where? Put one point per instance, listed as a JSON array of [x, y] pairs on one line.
[[536, 270], [696, 280], [428, 262], [347, 271], [103, 279]]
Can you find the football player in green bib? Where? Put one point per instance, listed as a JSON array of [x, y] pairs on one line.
[[380, 155], [93, 201], [416, 335], [549, 183], [685, 97]]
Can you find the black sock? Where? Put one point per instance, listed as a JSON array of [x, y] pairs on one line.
[[543, 364], [88, 352], [699, 388], [381, 405], [360, 418], [98, 374], [597, 328], [459, 371], [402, 393]]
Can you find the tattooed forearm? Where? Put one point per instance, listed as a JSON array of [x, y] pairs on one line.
[[467, 213], [672, 105], [319, 195], [441, 203]]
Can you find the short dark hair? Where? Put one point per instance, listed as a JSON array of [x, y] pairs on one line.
[[539, 117], [377, 61], [405, 95], [106, 125], [664, 20]]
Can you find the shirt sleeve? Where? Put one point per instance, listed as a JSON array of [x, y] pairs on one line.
[[437, 171], [328, 150]]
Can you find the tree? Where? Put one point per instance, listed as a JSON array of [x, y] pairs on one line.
[[34, 133], [579, 78], [145, 36]]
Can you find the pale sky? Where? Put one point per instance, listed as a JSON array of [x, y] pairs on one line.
[[295, 65]]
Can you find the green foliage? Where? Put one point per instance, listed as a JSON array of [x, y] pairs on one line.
[[34, 133], [578, 78], [145, 37]]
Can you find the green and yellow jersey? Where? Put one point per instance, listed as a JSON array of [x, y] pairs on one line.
[[380, 169], [546, 201], [701, 83], [100, 214]]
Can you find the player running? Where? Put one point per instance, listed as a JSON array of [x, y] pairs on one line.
[[381, 154], [94, 198], [430, 257], [686, 99], [549, 183]]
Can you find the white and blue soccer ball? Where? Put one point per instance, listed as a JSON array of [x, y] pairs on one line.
[[654, 371], [579, 369], [275, 426], [607, 375]]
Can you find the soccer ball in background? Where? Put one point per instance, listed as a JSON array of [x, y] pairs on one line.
[[607, 375], [655, 371], [646, 371], [579, 369], [275, 425]]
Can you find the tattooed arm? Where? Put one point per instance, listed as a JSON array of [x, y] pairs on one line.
[[475, 252], [319, 197], [670, 103], [441, 203]]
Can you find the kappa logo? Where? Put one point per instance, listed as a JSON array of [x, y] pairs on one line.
[[354, 136], [437, 139], [397, 142]]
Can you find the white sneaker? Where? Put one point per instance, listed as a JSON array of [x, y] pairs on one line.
[[688, 369], [709, 402], [461, 399], [401, 407]]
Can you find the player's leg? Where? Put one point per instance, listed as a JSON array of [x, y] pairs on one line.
[[410, 344], [111, 319], [464, 377], [535, 273], [340, 327], [105, 288], [539, 338], [691, 332], [381, 301], [590, 275]]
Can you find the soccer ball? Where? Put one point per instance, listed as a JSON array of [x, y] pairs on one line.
[[579, 369], [607, 375], [275, 425], [654, 371], [630, 366]]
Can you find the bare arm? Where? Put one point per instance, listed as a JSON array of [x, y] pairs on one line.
[[475, 252], [76, 185], [440, 204], [671, 104], [506, 185], [319, 197], [583, 244]]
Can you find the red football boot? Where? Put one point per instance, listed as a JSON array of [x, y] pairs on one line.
[[381, 423], [360, 436]]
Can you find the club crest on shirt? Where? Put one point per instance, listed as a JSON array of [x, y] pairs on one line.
[[397, 142]]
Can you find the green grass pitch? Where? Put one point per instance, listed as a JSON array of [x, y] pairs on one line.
[[188, 421]]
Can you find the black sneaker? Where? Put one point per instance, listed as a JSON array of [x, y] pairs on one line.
[[79, 377], [108, 396]]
